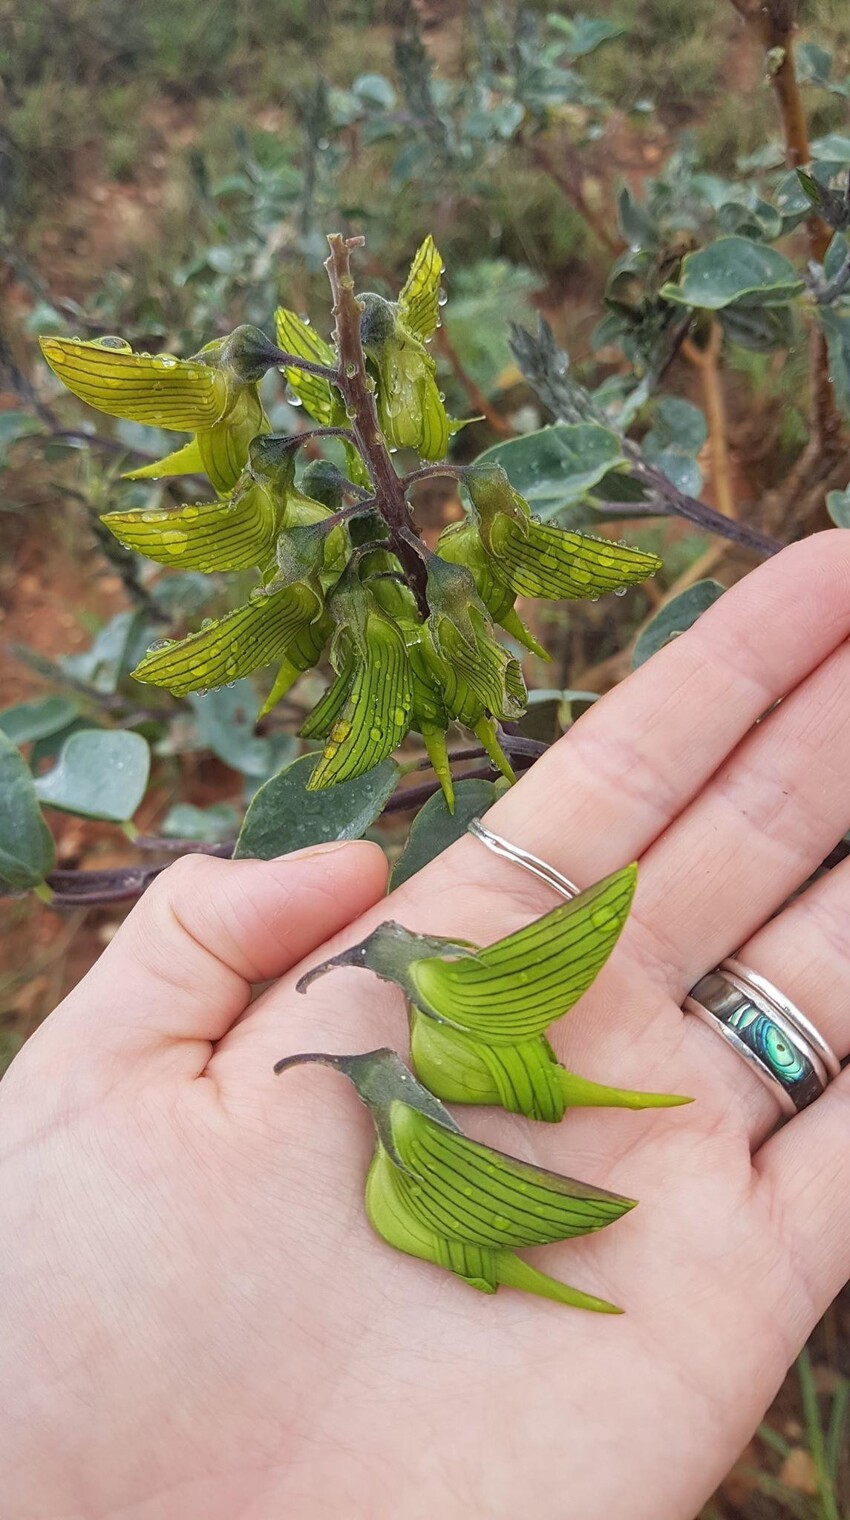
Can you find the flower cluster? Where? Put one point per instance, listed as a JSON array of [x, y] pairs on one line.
[[410, 651], [478, 1023]]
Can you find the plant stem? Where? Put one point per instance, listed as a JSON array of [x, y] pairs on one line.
[[775, 20], [75, 889], [351, 380], [707, 361], [477, 398], [569, 181], [814, 1430], [309, 366]]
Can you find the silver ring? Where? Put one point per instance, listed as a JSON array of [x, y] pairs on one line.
[[783, 1048], [524, 858]]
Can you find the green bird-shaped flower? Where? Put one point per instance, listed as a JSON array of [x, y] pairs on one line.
[[213, 395], [460, 544], [537, 559], [479, 1017], [237, 532], [284, 621], [365, 712], [437, 1195], [394, 336], [479, 681]]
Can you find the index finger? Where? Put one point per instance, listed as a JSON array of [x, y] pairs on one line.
[[614, 783]]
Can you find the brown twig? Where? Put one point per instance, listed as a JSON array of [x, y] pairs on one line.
[[351, 380], [775, 21], [707, 361], [477, 399], [568, 177], [75, 889]]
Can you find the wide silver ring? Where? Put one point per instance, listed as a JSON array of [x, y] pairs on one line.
[[524, 858], [776, 1039]]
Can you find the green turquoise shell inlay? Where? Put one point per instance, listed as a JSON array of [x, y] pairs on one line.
[[769, 1042]]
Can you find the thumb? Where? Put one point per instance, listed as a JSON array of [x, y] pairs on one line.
[[181, 966]]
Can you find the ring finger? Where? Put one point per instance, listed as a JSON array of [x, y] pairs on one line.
[[805, 953]]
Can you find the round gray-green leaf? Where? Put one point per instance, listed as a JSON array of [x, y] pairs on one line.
[[27, 851], [734, 270], [435, 828], [674, 618], [100, 773], [558, 464], [838, 507], [284, 816], [38, 719]]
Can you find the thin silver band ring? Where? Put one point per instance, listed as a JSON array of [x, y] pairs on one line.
[[755, 1018], [524, 858]]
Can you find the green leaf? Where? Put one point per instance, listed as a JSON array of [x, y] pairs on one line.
[[558, 464], [14, 426], [226, 720], [37, 719], [734, 270], [374, 90], [585, 33], [838, 507], [27, 851], [836, 328], [674, 618], [113, 652], [285, 816], [100, 773], [759, 328], [209, 825], [677, 434], [434, 828]]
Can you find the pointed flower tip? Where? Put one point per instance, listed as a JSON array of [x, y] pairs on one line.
[[311, 976], [304, 1058]]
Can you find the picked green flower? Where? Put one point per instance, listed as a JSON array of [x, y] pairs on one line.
[[437, 1195], [479, 1018], [213, 395]]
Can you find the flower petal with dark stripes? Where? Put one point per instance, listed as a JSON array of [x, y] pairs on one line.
[[539, 559], [213, 395], [479, 1017], [436, 1194]]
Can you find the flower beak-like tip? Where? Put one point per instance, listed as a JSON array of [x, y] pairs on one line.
[[374, 953], [306, 1058], [355, 955]]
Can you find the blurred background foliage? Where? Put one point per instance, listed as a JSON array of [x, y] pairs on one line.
[[167, 172]]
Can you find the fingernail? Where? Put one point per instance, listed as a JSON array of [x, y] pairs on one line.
[[315, 849]]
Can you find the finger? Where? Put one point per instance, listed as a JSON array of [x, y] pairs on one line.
[[603, 793], [804, 1169], [180, 968], [805, 952], [756, 833], [610, 787]]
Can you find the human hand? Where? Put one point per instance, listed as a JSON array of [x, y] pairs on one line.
[[198, 1321]]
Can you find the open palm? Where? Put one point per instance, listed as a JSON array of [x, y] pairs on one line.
[[197, 1319]]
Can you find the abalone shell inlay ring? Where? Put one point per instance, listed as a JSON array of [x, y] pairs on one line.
[[770, 1032], [524, 858]]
